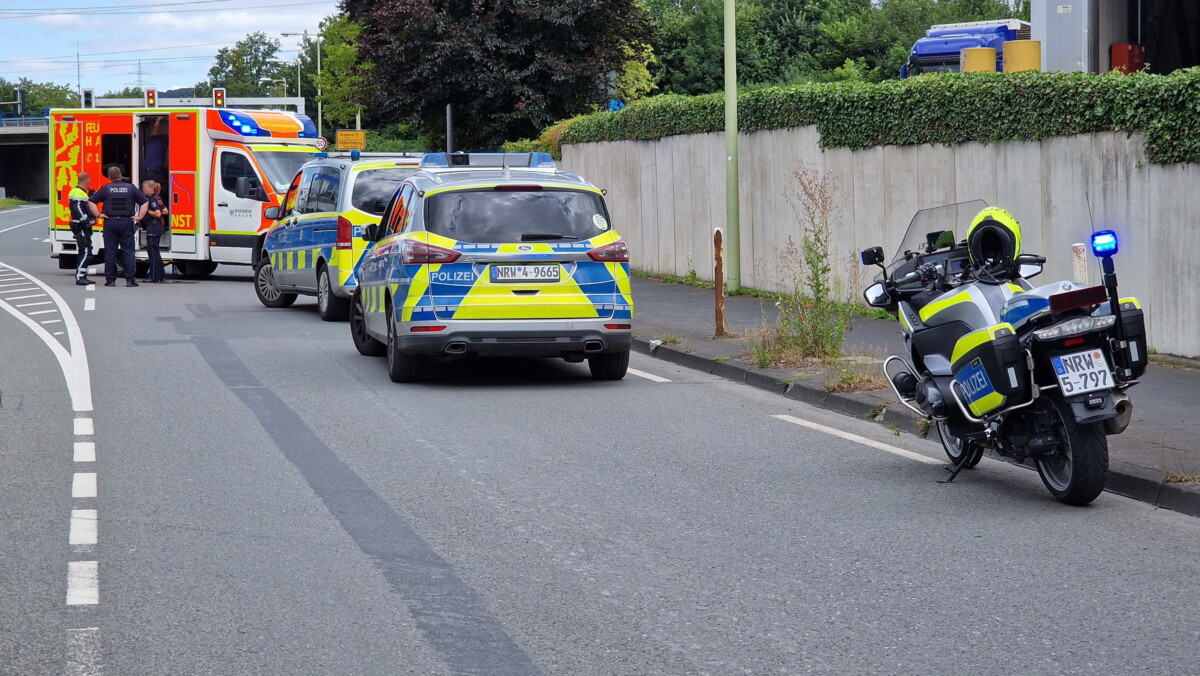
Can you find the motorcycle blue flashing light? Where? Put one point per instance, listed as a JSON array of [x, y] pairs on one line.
[[1104, 243]]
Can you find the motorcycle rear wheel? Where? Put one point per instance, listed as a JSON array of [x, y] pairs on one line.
[[1076, 475], [955, 447]]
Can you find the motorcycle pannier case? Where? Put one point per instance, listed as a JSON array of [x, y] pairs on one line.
[[989, 369], [1133, 321]]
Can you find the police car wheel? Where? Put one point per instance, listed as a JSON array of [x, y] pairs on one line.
[[330, 307], [266, 290], [363, 342], [402, 368], [609, 366]]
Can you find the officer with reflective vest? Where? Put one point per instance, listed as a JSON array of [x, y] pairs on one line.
[[123, 204], [82, 222]]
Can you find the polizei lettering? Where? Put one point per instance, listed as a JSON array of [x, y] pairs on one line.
[[974, 381], [448, 277]]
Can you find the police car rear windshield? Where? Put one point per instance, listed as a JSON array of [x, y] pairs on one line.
[[490, 216], [373, 188]]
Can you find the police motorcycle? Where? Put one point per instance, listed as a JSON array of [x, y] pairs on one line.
[[1037, 373]]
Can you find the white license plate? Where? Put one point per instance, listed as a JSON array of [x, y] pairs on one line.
[[1082, 372], [525, 273]]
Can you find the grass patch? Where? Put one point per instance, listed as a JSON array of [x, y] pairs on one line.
[[854, 378], [12, 202], [670, 339], [1181, 478]]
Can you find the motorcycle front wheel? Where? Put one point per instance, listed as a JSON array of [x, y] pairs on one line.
[[1075, 475], [955, 447]]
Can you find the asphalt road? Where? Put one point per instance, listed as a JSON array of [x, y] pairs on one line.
[[268, 502]]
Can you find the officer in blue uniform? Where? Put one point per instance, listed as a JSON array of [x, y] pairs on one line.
[[123, 204]]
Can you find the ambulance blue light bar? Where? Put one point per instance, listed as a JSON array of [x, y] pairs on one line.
[[488, 160], [1104, 243]]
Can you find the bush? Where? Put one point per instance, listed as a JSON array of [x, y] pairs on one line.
[[936, 108]]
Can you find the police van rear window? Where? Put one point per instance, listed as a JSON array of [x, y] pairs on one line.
[[503, 216], [373, 188]]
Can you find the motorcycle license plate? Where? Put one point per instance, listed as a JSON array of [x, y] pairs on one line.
[[525, 273], [1082, 372]]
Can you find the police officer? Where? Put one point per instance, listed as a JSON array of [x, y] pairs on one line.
[[82, 222], [123, 203]]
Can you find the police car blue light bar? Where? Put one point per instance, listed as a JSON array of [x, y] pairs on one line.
[[1104, 243], [488, 160]]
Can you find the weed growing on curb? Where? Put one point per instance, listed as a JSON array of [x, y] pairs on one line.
[[670, 339], [1181, 478], [854, 378]]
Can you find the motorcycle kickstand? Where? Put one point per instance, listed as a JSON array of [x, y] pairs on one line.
[[957, 468]]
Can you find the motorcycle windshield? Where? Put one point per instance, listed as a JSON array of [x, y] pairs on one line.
[[936, 228]]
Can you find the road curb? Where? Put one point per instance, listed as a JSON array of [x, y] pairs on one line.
[[1131, 481]]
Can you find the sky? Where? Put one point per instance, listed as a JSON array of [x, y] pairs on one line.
[[176, 40]]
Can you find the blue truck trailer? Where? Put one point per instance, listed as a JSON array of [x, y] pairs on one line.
[[939, 50]]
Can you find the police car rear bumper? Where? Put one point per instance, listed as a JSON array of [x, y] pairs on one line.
[[534, 338]]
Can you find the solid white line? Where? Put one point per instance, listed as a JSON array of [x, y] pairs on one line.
[[649, 376], [45, 302], [85, 451], [83, 485], [887, 448], [18, 282], [84, 527], [40, 312], [32, 295], [83, 583], [21, 225], [84, 652], [89, 304], [28, 288], [84, 426]]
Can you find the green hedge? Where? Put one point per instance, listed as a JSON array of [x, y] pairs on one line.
[[936, 108]]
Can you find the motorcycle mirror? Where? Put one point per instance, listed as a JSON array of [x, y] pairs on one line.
[[872, 256], [877, 295], [1029, 270]]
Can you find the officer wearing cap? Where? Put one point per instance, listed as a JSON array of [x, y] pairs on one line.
[[123, 203], [82, 221]]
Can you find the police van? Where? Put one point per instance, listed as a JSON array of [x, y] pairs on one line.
[[315, 245], [222, 169], [494, 254]]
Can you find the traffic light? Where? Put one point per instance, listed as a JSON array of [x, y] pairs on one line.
[[21, 102], [151, 98], [218, 97], [88, 100]]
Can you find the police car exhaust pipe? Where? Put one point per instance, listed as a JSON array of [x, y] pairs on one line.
[[593, 346], [456, 348]]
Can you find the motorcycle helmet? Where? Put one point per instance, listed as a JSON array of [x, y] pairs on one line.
[[994, 242]]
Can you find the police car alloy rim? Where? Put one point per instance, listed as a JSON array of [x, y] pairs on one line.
[[323, 291], [266, 283]]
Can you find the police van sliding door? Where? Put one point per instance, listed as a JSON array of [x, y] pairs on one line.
[[183, 151]]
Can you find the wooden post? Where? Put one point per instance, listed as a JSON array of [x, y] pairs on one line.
[[719, 283]]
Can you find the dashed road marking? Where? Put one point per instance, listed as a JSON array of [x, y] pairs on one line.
[[84, 530], [32, 295], [90, 287], [21, 225], [84, 652], [85, 451], [43, 302], [84, 426], [649, 376], [887, 448], [83, 485], [40, 312], [83, 583], [89, 304]]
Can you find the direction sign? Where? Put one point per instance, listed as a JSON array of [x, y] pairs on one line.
[[351, 139]]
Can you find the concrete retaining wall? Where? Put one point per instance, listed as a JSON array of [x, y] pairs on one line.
[[666, 197]]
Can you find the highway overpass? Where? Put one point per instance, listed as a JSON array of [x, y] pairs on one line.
[[25, 158]]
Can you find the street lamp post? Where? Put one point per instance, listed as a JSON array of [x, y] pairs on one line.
[[299, 92], [320, 117]]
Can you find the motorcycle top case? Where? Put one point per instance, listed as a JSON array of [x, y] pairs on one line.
[[989, 368]]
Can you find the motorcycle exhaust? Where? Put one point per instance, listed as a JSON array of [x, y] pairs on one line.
[[1124, 407]]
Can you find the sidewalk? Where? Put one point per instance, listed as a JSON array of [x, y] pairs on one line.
[[1162, 439]]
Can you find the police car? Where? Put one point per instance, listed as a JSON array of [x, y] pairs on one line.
[[314, 247], [494, 254]]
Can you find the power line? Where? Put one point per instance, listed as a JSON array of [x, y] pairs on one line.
[[127, 51], [141, 9]]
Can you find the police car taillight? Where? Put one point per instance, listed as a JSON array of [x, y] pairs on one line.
[[345, 233], [414, 253], [616, 252]]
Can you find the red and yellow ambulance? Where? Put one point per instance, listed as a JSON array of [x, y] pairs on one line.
[[224, 169]]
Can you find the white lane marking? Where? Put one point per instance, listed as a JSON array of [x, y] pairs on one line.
[[15, 281], [45, 240], [83, 485], [53, 321], [32, 295], [40, 312], [84, 527], [72, 362], [83, 583], [21, 225], [58, 333], [90, 287], [89, 304], [649, 376], [887, 448], [84, 426], [84, 652], [27, 288], [85, 451], [92, 271], [44, 302]]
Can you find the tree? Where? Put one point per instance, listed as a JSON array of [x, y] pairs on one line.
[[508, 68], [242, 68], [691, 45], [343, 78], [126, 93], [38, 95]]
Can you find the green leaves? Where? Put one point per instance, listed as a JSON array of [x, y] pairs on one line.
[[936, 108]]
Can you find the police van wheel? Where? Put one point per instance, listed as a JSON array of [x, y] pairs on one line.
[[402, 368], [363, 342], [330, 307], [266, 290], [609, 366]]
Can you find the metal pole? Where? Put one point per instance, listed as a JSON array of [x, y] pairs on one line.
[[449, 128], [320, 117], [732, 202], [298, 91]]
